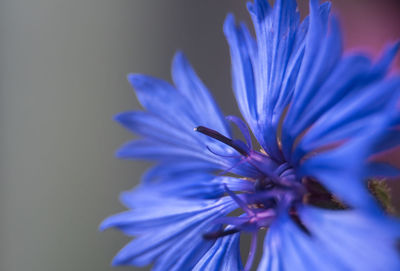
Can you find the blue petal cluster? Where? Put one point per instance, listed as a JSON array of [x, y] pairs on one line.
[[317, 113]]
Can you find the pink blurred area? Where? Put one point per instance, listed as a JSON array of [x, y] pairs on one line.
[[369, 24]]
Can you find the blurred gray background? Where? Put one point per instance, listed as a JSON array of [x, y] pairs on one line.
[[63, 66]]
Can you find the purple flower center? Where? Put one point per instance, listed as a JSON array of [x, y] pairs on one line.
[[276, 190]]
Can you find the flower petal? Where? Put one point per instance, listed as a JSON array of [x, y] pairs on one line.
[[167, 225], [334, 109], [151, 126], [272, 258], [201, 102], [322, 52], [278, 43], [243, 50], [171, 116], [164, 101], [354, 116], [338, 240], [156, 150], [189, 185]]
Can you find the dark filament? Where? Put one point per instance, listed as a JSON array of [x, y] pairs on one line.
[[214, 134], [218, 234]]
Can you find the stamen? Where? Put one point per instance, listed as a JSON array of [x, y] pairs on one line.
[[259, 161], [214, 134], [265, 165]]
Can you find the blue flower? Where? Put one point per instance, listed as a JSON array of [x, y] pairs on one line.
[[318, 115]]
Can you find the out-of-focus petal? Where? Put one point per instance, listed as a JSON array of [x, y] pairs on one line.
[[338, 240]]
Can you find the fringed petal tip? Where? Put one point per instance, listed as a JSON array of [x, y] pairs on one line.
[[123, 152], [129, 119], [121, 259], [259, 8], [124, 258], [107, 223], [179, 61], [116, 262], [229, 24], [120, 221], [137, 80], [120, 117], [386, 60], [103, 226]]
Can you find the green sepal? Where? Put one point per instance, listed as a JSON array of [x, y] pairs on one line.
[[381, 192]]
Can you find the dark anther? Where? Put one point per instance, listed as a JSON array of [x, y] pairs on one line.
[[214, 134], [317, 195], [315, 187], [295, 217], [218, 234]]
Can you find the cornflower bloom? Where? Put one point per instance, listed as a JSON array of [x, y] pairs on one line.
[[319, 117]]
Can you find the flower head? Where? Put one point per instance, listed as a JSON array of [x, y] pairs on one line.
[[317, 114]]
